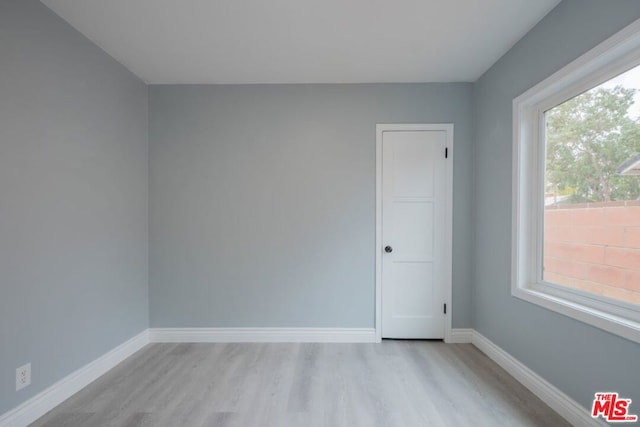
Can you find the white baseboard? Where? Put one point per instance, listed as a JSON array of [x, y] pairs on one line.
[[51, 397], [46, 400], [568, 408], [461, 336], [335, 335]]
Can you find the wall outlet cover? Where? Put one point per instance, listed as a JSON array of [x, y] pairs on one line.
[[23, 376]]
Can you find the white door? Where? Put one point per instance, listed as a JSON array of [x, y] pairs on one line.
[[415, 246]]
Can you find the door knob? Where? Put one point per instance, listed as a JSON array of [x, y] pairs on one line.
[[388, 249]]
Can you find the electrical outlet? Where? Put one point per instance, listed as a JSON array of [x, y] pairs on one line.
[[23, 376]]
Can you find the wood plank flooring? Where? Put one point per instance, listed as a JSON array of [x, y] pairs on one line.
[[396, 383]]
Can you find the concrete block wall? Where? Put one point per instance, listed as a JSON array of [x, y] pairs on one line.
[[594, 247]]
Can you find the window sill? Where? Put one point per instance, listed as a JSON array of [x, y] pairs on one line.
[[620, 326]]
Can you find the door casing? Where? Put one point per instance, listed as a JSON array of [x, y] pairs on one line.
[[448, 241]]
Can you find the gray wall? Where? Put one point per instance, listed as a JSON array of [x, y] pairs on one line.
[[577, 358], [262, 200], [73, 200]]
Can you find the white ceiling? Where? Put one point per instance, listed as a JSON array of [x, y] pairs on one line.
[[304, 41]]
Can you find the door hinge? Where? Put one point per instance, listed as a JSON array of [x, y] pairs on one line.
[[446, 152], [445, 309]]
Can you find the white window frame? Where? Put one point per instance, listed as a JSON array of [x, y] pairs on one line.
[[612, 57]]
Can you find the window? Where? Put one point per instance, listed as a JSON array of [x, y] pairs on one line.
[[576, 192]]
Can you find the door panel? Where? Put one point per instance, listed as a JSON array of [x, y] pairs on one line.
[[413, 224], [412, 164], [412, 229], [413, 291]]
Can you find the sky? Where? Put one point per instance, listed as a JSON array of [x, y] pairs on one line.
[[629, 79]]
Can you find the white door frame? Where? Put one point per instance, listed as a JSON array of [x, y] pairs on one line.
[[448, 258]]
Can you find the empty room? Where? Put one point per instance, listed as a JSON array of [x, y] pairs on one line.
[[319, 213]]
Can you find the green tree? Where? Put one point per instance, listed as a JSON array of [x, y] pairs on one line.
[[588, 137]]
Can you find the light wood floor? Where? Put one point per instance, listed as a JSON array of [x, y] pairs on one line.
[[396, 383]]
